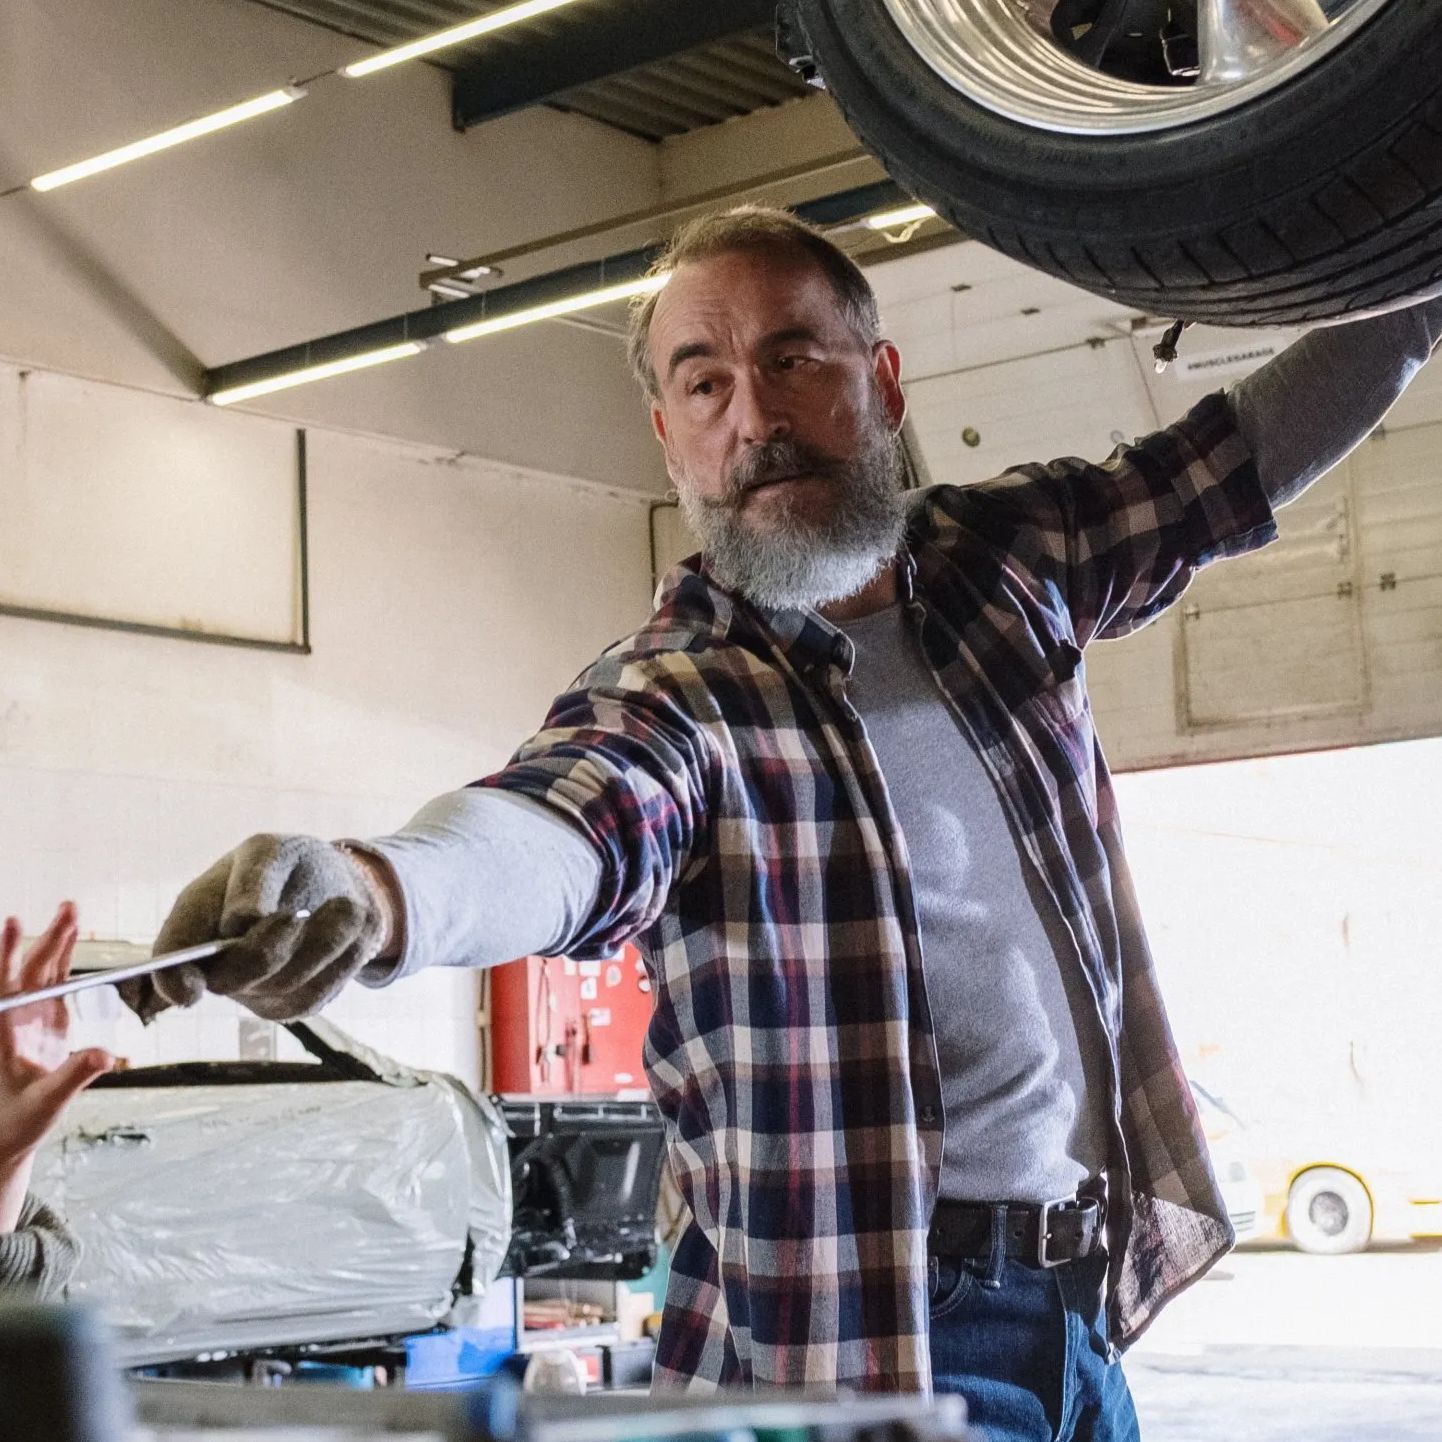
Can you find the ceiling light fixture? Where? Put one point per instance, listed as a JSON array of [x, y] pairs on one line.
[[315, 373], [178, 135], [553, 295], [456, 35], [566, 306], [907, 215]]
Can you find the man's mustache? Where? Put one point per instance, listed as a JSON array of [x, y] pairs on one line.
[[776, 461]]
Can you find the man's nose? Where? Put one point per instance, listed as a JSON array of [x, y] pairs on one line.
[[757, 413]]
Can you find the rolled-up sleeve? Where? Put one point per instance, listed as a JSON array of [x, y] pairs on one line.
[[1121, 540], [40, 1255], [625, 761]]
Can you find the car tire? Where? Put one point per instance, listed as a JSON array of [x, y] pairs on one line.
[[1319, 199], [1329, 1212]]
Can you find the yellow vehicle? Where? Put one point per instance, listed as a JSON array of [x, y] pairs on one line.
[[1330, 1202], [1333, 1181]]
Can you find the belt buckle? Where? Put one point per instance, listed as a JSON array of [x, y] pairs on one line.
[[1043, 1231]]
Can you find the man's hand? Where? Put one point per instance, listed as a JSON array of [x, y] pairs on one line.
[[38, 1074], [284, 964]]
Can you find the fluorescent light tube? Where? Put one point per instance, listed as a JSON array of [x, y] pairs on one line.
[[456, 35], [907, 215], [315, 373], [247, 110], [565, 306]]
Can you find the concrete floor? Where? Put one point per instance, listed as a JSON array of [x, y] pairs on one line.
[[1278, 1347]]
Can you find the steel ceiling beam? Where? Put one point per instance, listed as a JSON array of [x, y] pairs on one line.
[[595, 43], [656, 218], [432, 321]]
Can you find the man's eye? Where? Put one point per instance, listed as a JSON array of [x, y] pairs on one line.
[[791, 362], [703, 387]]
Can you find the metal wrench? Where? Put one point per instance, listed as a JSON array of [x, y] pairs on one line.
[[111, 975]]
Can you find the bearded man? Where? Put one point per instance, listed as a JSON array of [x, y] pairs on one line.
[[843, 789]]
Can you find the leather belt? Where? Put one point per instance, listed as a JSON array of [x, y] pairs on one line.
[[1045, 1234]]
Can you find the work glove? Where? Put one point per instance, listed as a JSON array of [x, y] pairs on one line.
[[285, 965]]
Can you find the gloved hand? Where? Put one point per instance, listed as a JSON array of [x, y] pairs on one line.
[[283, 966]]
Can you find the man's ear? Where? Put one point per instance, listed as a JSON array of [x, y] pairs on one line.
[[886, 366], [658, 425]]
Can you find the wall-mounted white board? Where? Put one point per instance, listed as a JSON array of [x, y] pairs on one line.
[[129, 507]]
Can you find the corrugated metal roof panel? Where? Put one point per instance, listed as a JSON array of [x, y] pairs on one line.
[[711, 83]]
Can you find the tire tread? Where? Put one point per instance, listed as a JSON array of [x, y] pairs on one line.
[[1366, 234]]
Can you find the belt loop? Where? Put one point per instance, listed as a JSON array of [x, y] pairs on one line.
[[996, 1258]]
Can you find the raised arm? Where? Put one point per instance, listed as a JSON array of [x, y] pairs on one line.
[[1305, 411], [1119, 542]]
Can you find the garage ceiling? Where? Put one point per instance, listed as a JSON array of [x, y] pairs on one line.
[[733, 76]]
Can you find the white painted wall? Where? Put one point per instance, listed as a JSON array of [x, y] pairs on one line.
[[307, 221], [440, 632], [1292, 903], [441, 628]]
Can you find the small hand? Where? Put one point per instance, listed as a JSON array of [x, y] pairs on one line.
[[39, 1075]]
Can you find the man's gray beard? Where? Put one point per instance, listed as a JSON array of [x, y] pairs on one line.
[[799, 560]]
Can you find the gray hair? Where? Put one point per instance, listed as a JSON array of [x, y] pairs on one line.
[[754, 228]]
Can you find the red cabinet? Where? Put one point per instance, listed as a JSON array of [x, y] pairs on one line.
[[569, 1028]]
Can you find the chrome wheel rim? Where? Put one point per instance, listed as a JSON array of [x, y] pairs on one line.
[[1002, 55]]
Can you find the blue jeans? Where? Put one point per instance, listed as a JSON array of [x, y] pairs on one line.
[[1030, 1356]]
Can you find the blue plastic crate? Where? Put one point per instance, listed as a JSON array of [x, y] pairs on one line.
[[456, 1358]]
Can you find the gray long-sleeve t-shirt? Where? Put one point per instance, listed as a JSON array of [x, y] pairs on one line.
[[1019, 1045], [487, 876]]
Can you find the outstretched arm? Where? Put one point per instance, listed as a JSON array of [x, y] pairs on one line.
[[572, 847], [477, 877]]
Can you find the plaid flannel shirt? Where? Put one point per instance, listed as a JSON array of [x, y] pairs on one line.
[[714, 760]]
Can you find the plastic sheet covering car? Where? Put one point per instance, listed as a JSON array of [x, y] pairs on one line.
[[232, 1206]]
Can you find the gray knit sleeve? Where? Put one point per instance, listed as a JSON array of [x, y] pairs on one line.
[[486, 876], [40, 1254], [1305, 411]]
